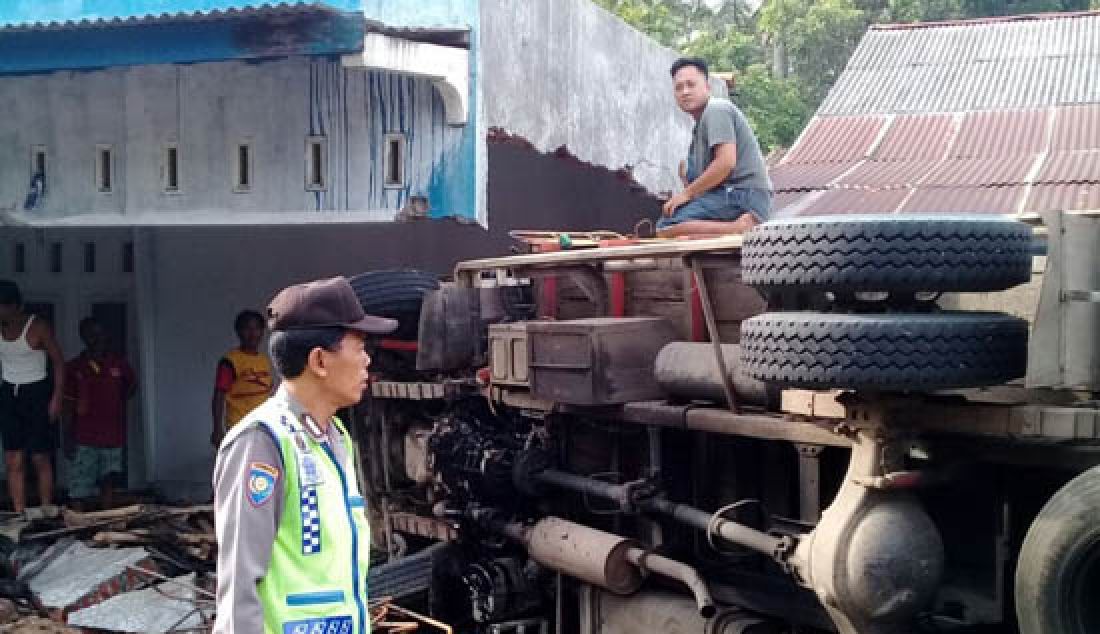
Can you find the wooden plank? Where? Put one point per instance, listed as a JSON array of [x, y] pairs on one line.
[[674, 311], [812, 403], [667, 283], [669, 248]]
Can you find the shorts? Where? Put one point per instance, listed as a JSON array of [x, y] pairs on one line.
[[91, 467], [724, 204], [25, 417]]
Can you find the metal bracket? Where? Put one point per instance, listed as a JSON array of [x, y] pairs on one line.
[[1081, 296], [712, 331]]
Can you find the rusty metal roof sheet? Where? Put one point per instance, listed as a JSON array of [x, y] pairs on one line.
[[887, 174], [1003, 170], [803, 176], [835, 140], [1076, 128], [994, 200], [1064, 197], [1001, 133], [1071, 167], [916, 137], [784, 201], [855, 201], [989, 116], [1016, 62]]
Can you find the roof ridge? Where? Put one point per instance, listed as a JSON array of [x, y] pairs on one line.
[[1027, 17]]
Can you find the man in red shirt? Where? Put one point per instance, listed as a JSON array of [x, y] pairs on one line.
[[98, 384]]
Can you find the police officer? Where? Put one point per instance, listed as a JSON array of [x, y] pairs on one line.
[[292, 530]]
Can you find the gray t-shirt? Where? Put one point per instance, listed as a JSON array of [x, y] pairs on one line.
[[723, 122]]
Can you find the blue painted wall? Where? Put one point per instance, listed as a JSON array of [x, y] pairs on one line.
[[424, 13], [207, 109], [458, 180], [452, 182], [31, 11], [159, 42]]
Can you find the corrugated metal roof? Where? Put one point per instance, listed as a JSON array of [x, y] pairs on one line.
[[784, 200], [1076, 128], [976, 65], [855, 201], [1071, 167], [802, 176], [888, 174], [835, 140], [916, 137], [993, 200], [1004, 170], [959, 117], [1001, 133], [203, 11], [1064, 197]]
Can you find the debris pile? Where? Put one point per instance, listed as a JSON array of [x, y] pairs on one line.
[[141, 568], [147, 569]]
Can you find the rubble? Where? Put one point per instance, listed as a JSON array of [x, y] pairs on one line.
[[78, 576], [140, 568], [169, 606], [148, 569]]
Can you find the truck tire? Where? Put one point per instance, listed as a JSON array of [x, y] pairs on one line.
[[395, 294], [899, 254], [890, 352], [1058, 573]]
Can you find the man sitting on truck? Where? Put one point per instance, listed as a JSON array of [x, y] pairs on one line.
[[726, 184]]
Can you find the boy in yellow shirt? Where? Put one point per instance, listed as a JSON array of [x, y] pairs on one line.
[[244, 378]]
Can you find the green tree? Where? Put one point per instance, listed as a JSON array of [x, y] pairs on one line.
[[818, 36], [662, 20], [813, 38], [776, 107]]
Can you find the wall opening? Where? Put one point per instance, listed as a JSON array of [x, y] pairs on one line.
[[19, 258], [128, 257], [89, 257], [394, 159], [56, 254], [38, 161], [242, 168], [316, 163], [104, 165], [171, 168]]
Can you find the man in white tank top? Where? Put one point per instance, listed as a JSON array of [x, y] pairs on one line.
[[30, 403]]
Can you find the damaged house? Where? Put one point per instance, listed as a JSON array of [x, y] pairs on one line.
[[165, 164]]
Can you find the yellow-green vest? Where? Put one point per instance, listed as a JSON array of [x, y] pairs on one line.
[[316, 582]]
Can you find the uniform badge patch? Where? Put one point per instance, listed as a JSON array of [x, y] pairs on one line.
[[261, 482]]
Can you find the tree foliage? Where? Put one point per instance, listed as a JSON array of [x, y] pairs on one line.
[[786, 54]]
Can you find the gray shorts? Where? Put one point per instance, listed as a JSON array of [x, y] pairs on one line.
[[724, 204]]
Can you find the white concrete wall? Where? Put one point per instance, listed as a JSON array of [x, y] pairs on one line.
[[200, 278], [565, 73], [207, 109]]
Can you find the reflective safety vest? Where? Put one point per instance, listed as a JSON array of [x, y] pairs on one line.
[[316, 582]]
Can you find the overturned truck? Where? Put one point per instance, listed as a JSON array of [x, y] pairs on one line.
[[846, 424]]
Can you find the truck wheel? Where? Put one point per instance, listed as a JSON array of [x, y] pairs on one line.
[[894, 352], [1058, 574], [900, 254], [395, 294]]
